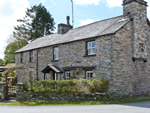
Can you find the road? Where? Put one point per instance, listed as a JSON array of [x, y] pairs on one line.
[[141, 107]]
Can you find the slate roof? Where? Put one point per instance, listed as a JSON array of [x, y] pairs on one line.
[[99, 28]]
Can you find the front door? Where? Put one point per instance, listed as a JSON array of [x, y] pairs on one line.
[[55, 76]]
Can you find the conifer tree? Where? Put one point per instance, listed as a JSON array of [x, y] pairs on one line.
[[37, 22]]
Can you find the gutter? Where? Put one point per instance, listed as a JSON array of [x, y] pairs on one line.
[[37, 60]]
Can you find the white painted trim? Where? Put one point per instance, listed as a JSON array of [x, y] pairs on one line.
[[87, 74]]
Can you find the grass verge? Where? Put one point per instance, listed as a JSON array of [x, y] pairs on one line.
[[58, 103]]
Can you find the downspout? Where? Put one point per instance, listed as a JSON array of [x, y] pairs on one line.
[[37, 65]]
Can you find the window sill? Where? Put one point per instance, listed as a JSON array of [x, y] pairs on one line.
[[54, 60], [144, 59], [89, 55]]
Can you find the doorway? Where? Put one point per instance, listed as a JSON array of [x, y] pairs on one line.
[[55, 76]]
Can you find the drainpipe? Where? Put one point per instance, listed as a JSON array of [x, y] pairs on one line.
[[37, 65]]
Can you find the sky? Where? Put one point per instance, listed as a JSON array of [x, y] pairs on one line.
[[85, 12]]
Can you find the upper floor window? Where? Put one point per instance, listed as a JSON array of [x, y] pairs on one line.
[[91, 48], [22, 57], [67, 75], [56, 53], [89, 74], [31, 56]]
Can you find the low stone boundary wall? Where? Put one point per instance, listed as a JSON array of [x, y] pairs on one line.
[[55, 96]]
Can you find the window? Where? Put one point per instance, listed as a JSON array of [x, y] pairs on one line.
[[89, 74], [91, 48], [56, 53], [67, 75], [22, 57], [31, 56]]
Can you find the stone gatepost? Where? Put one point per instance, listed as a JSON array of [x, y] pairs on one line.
[[3, 91], [20, 87]]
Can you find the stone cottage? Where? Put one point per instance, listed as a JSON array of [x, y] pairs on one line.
[[116, 49]]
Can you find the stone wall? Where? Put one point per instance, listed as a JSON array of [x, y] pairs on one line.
[[120, 58], [70, 54], [128, 77], [55, 96], [113, 62]]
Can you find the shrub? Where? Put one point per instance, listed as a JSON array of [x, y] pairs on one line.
[[98, 85], [71, 86], [25, 86]]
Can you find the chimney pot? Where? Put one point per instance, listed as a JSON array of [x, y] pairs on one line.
[[68, 20]]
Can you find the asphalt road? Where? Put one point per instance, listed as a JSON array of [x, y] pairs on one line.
[[141, 107]]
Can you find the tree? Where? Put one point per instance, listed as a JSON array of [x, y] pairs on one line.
[[1, 62], [43, 23], [11, 48], [37, 22]]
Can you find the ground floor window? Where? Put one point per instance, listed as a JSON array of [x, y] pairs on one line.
[[67, 75], [89, 74]]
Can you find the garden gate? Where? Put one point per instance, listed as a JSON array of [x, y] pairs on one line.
[[12, 91]]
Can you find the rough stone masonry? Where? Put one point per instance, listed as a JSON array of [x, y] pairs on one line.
[[122, 52]]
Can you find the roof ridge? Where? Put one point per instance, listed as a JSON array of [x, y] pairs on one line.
[[97, 22]]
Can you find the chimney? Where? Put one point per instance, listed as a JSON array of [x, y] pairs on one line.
[[68, 20], [132, 7], [136, 10], [64, 28]]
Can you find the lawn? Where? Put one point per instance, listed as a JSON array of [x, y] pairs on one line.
[[58, 103]]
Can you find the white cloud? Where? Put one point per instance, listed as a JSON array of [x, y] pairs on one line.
[[87, 2], [118, 3], [111, 3], [85, 22], [10, 11]]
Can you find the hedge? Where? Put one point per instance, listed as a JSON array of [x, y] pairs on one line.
[[89, 86]]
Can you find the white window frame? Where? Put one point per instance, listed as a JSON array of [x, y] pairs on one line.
[[56, 53], [89, 72], [31, 56], [57, 76], [91, 48], [67, 73]]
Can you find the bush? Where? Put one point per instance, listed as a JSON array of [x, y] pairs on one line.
[[71, 86], [98, 85], [25, 87]]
